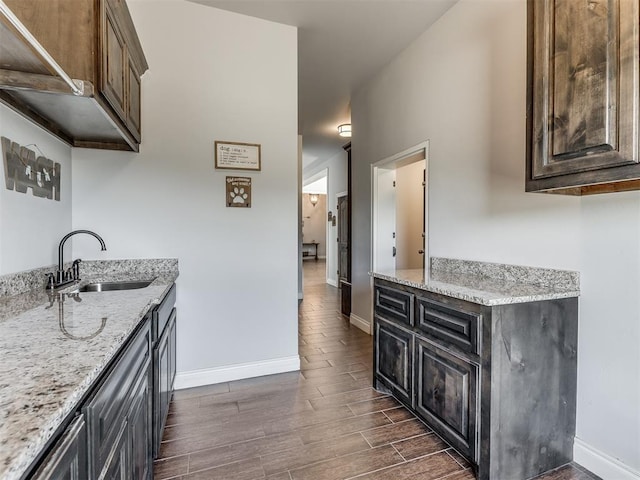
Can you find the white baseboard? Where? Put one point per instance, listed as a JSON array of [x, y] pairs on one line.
[[603, 465], [322, 257], [300, 295], [360, 322], [228, 373], [332, 282]]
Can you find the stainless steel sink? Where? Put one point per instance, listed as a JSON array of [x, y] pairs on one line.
[[109, 286]]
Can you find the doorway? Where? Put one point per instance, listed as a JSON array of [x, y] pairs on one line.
[[316, 230], [400, 211]]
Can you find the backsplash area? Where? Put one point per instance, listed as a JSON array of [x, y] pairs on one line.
[[546, 277], [22, 282]]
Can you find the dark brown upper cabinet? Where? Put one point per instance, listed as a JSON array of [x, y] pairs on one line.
[[582, 96], [95, 43]]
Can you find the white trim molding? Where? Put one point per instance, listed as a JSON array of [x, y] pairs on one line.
[[332, 282], [228, 373], [361, 323], [601, 464]]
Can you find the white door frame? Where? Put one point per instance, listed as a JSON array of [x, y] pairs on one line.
[[394, 160]]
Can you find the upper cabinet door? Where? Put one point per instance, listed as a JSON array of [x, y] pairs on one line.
[[114, 63], [584, 59]]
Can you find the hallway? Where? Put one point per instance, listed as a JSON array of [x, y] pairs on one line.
[[322, 423]]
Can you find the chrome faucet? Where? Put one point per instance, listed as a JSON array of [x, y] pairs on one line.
[[61, 276]]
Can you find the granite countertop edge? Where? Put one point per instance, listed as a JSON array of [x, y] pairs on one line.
[[488, 297], [45, 431]]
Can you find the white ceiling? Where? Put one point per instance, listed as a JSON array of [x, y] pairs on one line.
[[341, 44]]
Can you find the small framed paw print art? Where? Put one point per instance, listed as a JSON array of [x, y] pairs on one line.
[[239, 192]]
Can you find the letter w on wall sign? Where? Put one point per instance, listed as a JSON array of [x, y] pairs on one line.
[[23, 171]]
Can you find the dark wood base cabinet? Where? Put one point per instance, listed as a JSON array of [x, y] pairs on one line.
[[497, 383], [164, 361]]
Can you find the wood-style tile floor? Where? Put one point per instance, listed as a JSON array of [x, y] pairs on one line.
[[322, 423]]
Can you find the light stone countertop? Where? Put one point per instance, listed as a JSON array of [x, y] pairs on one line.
[[53, 349], [488, 283]]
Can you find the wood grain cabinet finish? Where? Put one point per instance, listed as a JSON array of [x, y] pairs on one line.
[[393, 361], [447, 395], [68, 458], [394, 304], [114, 62], [94, 41], [497, 382], [583, 96], [451, 325]]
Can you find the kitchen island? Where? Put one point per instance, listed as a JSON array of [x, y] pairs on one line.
[[56, 346], [486, 355]]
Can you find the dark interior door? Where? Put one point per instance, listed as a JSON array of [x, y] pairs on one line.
[[344, 278], [344, 242]]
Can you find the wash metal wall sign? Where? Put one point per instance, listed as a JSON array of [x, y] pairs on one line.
[[24, 171]]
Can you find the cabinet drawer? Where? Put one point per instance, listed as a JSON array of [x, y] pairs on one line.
[[162, 313], [447, 396], [394, 304], [461, 329], [393, 361], [106, 411]]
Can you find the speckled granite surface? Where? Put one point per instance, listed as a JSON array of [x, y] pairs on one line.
[[54, 347], [489, 283]]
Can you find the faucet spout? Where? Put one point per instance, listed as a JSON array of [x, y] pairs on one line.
[[61, 248]]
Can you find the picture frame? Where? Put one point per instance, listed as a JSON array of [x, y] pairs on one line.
[[238, 192], [237, 156]]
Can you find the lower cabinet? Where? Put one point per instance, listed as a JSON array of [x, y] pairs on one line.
[[68, 459], [114, 433], [164, 361], [498, 383], [119, 416]]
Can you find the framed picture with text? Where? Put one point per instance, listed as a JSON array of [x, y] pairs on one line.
[[237, 156]]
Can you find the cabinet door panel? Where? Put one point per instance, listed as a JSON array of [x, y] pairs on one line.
[[68, 459], [133, 105], [115, 467], [114, 60], [585, 85], [172, 352], [139, 420], [161, 388], [447, 396], [106, 411], [394, 359]]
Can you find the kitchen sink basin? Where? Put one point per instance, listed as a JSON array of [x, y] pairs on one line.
[[109, 286]]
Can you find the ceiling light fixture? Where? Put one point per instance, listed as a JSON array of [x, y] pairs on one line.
[[313, 198], [344, 130]]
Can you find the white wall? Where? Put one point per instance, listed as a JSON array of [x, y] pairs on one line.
[[461, 85], [237, 291], [336, 183], [31, 227]]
